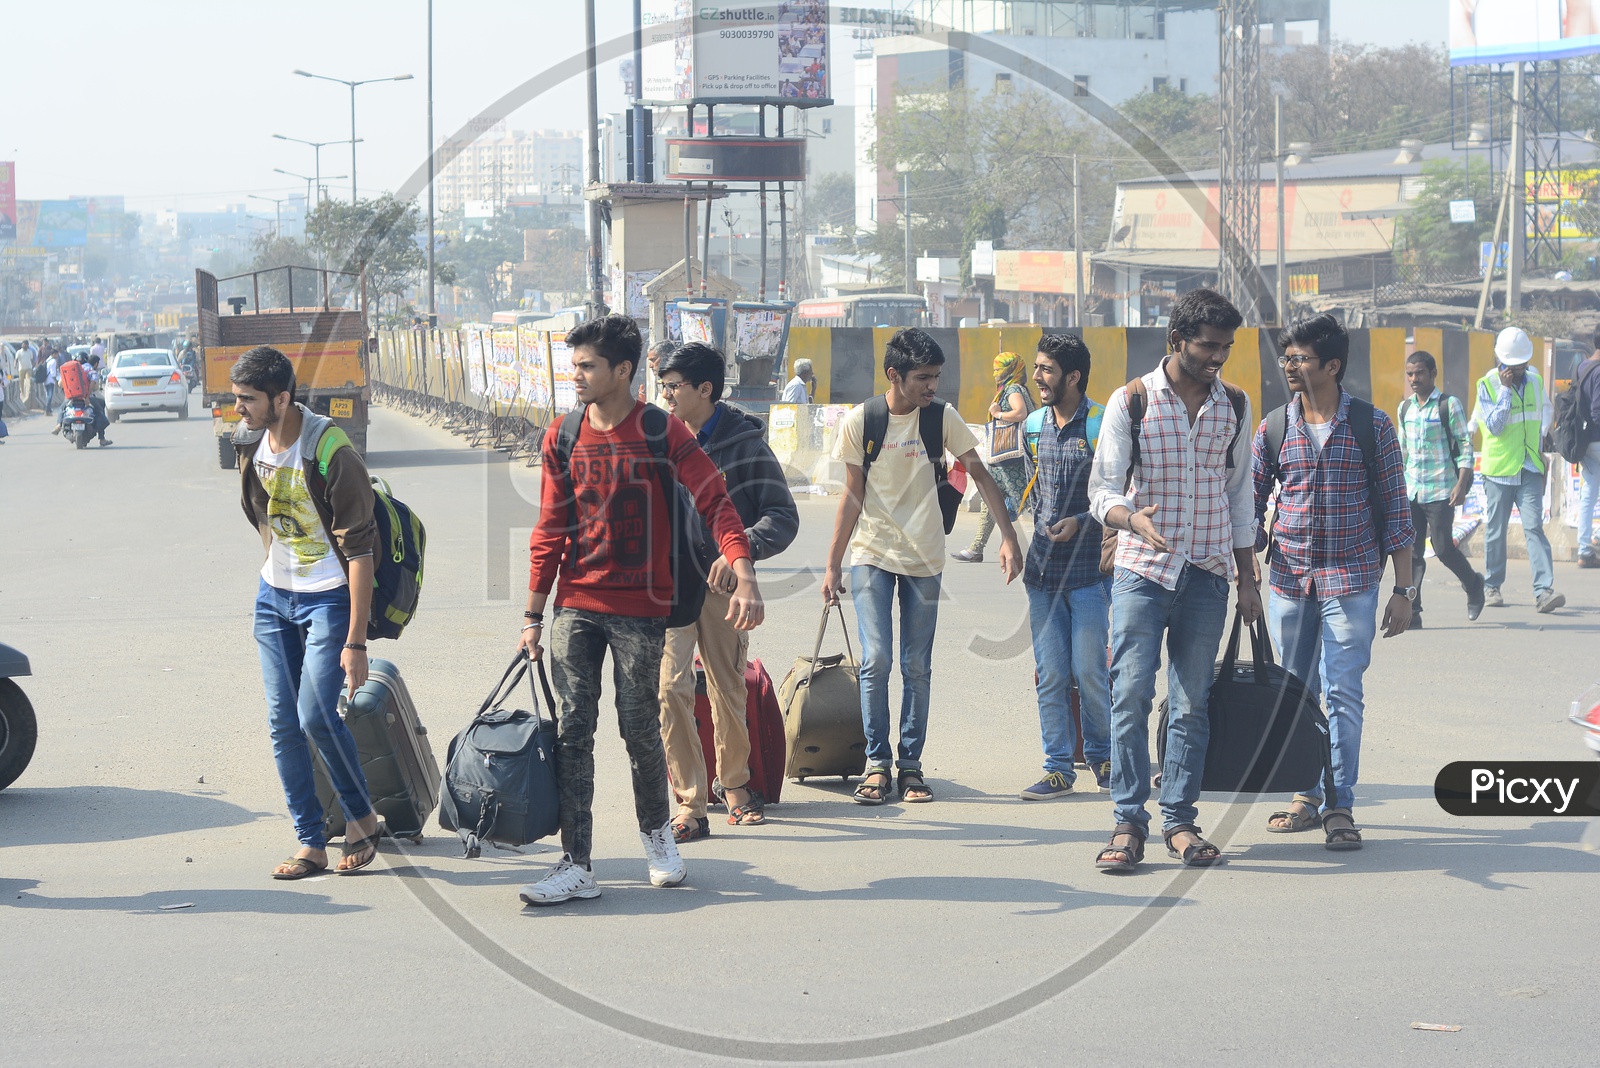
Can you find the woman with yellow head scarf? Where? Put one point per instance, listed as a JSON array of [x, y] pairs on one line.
[[1012, 403]]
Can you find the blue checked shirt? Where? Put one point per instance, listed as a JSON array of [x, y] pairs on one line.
[[1324, 544], [1065, 454], [1431, 473]]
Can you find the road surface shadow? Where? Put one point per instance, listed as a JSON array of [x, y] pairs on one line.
[[18, 893], [75, 815]]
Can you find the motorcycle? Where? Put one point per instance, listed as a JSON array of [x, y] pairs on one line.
[[77, 425], [19, 730], [1586, 714]]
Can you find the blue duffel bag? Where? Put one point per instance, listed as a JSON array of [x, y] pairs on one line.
[[500, 775]]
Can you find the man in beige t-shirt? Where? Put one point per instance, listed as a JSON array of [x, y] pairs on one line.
[[895, 531]]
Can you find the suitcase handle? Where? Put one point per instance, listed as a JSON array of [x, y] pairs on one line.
[[822, 629], [1260, 645], [518, 669]]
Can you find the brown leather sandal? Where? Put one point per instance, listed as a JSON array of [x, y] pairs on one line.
[[1122, 858]]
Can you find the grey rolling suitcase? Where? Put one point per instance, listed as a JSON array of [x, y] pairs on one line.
[[396, 757], [821, 703]]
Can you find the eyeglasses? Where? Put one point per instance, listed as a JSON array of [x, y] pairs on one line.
[[670, 388], [1297, 360]]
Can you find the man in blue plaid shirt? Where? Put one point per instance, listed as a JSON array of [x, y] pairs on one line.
[[1436, 441], [1329, 540]]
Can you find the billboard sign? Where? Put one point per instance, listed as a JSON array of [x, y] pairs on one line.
[[736, 52], [1505, 31], [8, 201], [62, 224]]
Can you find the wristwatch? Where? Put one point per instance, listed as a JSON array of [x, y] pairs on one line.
[[1408, 592]]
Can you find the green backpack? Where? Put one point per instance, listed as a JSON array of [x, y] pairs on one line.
[[397, 557]]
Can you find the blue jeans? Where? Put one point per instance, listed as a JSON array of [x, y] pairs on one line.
[[1528, 496], [1326, 643], [1070, 634], [300, 637], [873, 593], [1192, 617], [1590, 463]]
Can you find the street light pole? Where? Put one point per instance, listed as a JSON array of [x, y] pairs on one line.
[[353, 85], [596, 274], [433, 307], [317, 147], [277, 211]]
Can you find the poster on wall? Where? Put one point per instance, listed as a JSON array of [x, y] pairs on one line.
[[759, 331], [566, 394], [753, 51], [674, 323], [696, 324], [8, 201], [533, 368], [477, 383], [505, 376]]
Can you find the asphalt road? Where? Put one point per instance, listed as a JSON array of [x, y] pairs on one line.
[[972, 929]]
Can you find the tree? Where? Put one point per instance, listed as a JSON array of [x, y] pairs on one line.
[[381, 235], [483, 259], [830, 203], [1183, 124], [1349, 97], [1424, 234]]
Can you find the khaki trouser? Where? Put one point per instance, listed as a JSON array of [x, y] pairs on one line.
[[722, 653]]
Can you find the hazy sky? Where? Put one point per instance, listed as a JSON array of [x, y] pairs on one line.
[[174, 102]]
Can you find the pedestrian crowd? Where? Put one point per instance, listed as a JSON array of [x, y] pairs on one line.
[[1148, 510]]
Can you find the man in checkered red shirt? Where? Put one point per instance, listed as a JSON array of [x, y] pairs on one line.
[[1187, 529]]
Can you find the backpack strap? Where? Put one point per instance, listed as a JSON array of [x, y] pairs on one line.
[[1277, 429], [931, 423], [333, 439], [1444, 425], [875, 424], [567, 436], [1240, 402], [1363, 424]]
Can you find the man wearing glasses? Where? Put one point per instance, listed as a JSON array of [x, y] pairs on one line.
[[1337, 518]]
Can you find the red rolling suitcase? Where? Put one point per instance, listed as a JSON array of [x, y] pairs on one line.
[[764, 720]]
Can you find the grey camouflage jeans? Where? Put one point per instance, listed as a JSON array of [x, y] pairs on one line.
[[578, 643]]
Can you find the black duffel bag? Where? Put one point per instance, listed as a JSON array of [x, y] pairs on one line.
[[500, 775], [1268, 733]]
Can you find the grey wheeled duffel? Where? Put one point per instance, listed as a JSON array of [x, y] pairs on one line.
[[821, 703]]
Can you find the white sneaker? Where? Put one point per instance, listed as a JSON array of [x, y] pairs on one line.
[[565, 882], [661, 857]]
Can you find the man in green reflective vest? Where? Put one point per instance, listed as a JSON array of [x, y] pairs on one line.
[[1514, 413]]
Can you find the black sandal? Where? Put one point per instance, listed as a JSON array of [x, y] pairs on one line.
[[916, 791], [1341, 838], [1116, 858], [303, 868], [1298, 821], [1197, 854], [690, 828], [874, 793], [750, 814], [352, 848]]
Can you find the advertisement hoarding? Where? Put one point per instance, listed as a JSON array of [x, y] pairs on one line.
[[8, 201], [733, 52], [62, 224], [1505, 31]]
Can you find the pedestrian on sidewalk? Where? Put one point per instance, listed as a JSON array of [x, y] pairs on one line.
[[1010, 408], [1588, 378], [798, 389], [691, 384], [1513, 413], [894, 526], [603, 539], [1436, 441], [1181, 503], [1069, 600], [313, 600], [1331, 532]]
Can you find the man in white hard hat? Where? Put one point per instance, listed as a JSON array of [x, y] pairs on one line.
[[1514, 413]]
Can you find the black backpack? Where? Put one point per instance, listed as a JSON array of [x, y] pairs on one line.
[[875, 424], [1572, 432], [1363, 426], [41, 373], [691, 555]]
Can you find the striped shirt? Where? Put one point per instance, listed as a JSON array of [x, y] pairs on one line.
[[1431, 472], [1206, 509]]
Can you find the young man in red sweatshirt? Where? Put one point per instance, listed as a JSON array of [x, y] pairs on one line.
[[604, 529]]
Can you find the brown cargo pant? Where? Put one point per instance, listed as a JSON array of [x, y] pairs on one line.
[[723, 651]]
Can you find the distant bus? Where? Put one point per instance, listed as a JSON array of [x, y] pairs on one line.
[[868, 309]]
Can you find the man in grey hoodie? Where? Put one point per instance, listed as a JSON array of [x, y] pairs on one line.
[[691, 387]]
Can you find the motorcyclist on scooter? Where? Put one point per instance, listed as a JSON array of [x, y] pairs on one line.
[[77, 384]]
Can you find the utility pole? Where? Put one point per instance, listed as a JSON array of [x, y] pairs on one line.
[[1077, 249], [1282, 291], [597, 300], [641, 139], [433, 307], [905, 214], [1517, 238]]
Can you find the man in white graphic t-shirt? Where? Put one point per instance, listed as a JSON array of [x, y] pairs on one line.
[[307, 492]]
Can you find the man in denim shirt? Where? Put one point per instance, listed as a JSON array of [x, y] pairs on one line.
[[1069, 601]]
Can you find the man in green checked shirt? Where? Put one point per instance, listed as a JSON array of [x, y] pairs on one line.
[[1436, 441]]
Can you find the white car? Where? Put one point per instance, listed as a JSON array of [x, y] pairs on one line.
[[146, 380]]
